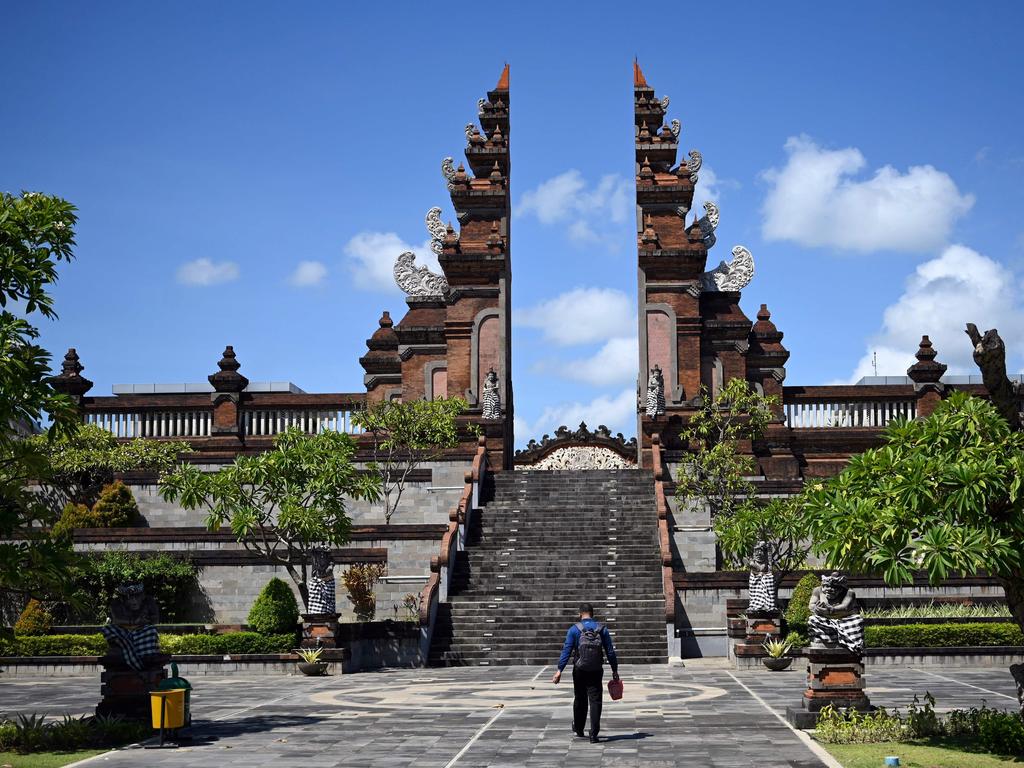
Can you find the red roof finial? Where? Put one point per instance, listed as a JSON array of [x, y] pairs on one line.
[[503, 80], [639, 81]]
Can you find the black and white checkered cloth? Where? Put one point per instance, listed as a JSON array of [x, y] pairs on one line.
[[761, 589], [847, 631], [135, 644], [322, 598]]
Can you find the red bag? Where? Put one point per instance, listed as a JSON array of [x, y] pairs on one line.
[[615, 689]]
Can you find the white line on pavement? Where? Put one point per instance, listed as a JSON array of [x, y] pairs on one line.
[[534, 678], [818, 750], [969, 685], [472, 741]]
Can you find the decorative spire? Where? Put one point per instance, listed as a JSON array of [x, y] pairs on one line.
[[496, 176], [228, 379], [650, 237], [926, 370], [646, 172], [639, 81], [645, 133], [503, 80], [70, 380]]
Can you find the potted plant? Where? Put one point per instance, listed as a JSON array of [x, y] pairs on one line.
[[778, 657], [311, 664]]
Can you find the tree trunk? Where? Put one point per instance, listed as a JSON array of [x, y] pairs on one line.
[[1014, 589], [990, 357]]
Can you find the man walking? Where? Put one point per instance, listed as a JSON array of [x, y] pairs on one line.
[[587, 640]]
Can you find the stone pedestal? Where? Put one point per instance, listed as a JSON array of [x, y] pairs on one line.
[[125, 690], [748, 633], [320, 630], [834, 676]]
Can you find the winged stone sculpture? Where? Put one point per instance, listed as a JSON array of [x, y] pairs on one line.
[[731, 276], [420, 281]]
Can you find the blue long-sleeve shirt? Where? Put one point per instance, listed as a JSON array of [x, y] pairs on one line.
[[572, 639]]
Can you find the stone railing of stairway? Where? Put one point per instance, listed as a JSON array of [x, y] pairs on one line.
[[664, 537], [454, 540]]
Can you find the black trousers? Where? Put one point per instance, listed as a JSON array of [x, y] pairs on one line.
[[586, 688]]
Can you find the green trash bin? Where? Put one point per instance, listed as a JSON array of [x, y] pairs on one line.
[[175, 682]]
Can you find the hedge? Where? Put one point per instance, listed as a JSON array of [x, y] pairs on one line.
[[942, 635], [95, 645]]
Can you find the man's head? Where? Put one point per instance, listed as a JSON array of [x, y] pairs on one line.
[[586, 611]]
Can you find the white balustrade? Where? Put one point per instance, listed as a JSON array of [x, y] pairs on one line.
[[152, 423], [271, 421], [872, 413]]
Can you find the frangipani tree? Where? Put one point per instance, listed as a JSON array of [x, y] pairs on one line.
[[283, 502]]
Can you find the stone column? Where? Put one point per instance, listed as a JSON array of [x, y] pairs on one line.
[[228, 384], [834, 676], [925, 374], [70, 381]]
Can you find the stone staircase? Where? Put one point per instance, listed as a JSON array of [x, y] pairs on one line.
[[547, 541]]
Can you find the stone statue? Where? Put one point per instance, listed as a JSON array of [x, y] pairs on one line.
[[491, 396], [693, 165], [761, 584], [420, 281], [322, 595], [655, 393], [732, 276], [132, 630], [835, 619]]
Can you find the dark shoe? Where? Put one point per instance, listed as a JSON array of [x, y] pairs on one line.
[[593, 738], [580, 734]]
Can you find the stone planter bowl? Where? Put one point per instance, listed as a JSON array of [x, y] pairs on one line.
[[313, 670], [777, 664]]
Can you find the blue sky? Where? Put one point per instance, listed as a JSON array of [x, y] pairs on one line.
[[247, 172]]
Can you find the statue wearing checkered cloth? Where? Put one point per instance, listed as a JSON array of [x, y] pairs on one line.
[[322, 597], [131, 630], [835, 620], [761, 585]]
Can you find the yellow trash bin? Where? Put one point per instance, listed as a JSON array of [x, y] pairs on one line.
[[168, 708]]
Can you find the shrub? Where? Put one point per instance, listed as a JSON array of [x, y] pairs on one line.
[[275, 609], [359, 581], [229, 643], [942, 635], [75, 516], [797, 612], [54, 645], [1001, 733], [851, 727], [31, 733], [171, 580], [34, 620], [116, 506]]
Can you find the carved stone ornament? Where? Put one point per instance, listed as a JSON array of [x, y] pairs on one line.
[[708, 223], [655, 405], [322, 592], [835, 620], [693, 165], [491, 396], [480, 104], [583, 457], [448, 171], [732, 276], [469, 131], [676, 128], [420, 281], [665, 102]]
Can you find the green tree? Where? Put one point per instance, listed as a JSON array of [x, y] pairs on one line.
[[943, 494], [405, 436], [282, 502], [780, 523], [36, 234]]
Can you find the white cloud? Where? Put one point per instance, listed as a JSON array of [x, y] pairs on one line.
[[371, 259], [589, 214], [581, 316], [941, 296], [616, 362], [206, 272], [617, 412], [710, 187], [308, 273], [815, 201]]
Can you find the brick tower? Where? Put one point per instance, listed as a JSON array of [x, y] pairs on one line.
[[458, 326], [692, 332]]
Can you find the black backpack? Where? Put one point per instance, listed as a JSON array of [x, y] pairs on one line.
[[589, 648]]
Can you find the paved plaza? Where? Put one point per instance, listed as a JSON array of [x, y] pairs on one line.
[[700, 715]]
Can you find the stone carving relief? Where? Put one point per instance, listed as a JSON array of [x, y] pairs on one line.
[[448, 171], [491, 396], [420, 281], [732, 276], [665, 102], [655, 393], [469, 131], [708, 223], [583, 457], [693, 165], [676, 127]]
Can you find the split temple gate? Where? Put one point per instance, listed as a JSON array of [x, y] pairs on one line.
[[454, 340]]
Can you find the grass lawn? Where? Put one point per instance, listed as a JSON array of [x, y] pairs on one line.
[[939, 753], [46, 759]]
